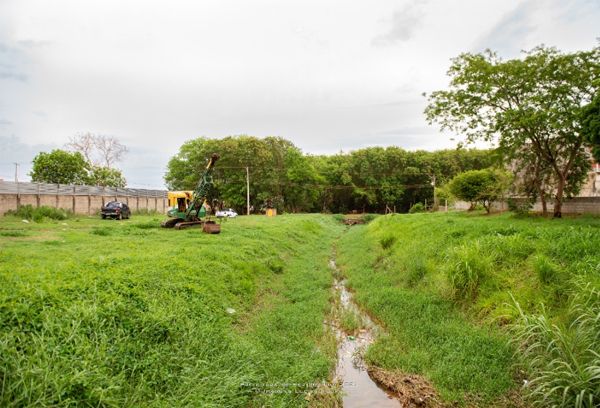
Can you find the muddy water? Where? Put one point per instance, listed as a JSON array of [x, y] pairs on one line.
[[359, 390]]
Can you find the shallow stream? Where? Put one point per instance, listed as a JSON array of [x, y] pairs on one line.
[[359, 390]]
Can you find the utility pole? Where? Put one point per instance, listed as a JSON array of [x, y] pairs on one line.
[[434, 194], [247, 191], [18, 187]]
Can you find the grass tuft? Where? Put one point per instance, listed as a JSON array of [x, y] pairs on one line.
[[563, 360]]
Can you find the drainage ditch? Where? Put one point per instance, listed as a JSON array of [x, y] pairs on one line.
[[355, 332]]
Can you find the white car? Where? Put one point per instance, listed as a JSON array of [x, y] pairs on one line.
[[227, 213]]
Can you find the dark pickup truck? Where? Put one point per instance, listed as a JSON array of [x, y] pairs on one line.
[[115, 209]]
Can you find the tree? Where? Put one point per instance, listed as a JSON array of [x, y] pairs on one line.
[[590, 123], [483, 186], [106, 177], [526, 105], [98, 150], [60, 167]]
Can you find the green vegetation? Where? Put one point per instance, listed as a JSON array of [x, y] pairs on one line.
[[442, 286], [563, 359], [366, 179], [38, 214], [59, 167], [479, 186], [539, 108], [97, 313], [417, 208], [590, 125]]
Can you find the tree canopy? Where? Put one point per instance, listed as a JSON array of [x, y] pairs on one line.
[[590, 122], [60, 167], [483, 186], [531, 107], [365, 180]]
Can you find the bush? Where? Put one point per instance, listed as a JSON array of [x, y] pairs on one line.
[[483, 186], [563, 361], [417, 208], [28, 212]]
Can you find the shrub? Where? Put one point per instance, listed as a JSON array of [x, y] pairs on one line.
[[483, 186], [28, 212], [563, 361], [417, 208]]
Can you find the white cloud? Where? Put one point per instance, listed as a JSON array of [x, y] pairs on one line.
[[157, 73]]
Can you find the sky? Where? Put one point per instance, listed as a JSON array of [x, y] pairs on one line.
[[329, 75]]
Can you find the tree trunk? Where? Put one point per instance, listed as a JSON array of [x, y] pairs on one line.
[[541, 193], [559, 198], [544, 204]]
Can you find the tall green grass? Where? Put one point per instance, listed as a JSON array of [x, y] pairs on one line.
[[441, 285], [130, 314], [563, 359], [38, 214]]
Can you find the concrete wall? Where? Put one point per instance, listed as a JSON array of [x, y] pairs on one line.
[[80, 204], [576, 205]]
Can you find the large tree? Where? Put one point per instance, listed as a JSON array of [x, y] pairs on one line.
[[590, 119], [60, 167], [531, 107]]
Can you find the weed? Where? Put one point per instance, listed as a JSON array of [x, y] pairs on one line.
[[387, 241], [546, 270], [29, 212], [350, 321], [467, 267], [563, 360]]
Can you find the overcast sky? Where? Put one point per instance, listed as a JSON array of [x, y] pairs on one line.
[[328, 75]]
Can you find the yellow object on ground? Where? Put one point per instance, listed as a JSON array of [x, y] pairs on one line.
[[271, 212]]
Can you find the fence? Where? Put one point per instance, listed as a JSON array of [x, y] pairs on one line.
[[78, 199]]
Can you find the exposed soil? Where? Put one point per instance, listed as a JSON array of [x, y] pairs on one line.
[[411, 390]]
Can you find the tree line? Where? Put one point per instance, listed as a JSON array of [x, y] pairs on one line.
[[370, 179]]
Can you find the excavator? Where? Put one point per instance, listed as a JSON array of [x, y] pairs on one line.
[[190, 209]]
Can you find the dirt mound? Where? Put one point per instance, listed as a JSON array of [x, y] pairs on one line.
[[411, 390]]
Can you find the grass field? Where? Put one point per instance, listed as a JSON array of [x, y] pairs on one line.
[[124, 313], [443, 287], [110, 313]]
